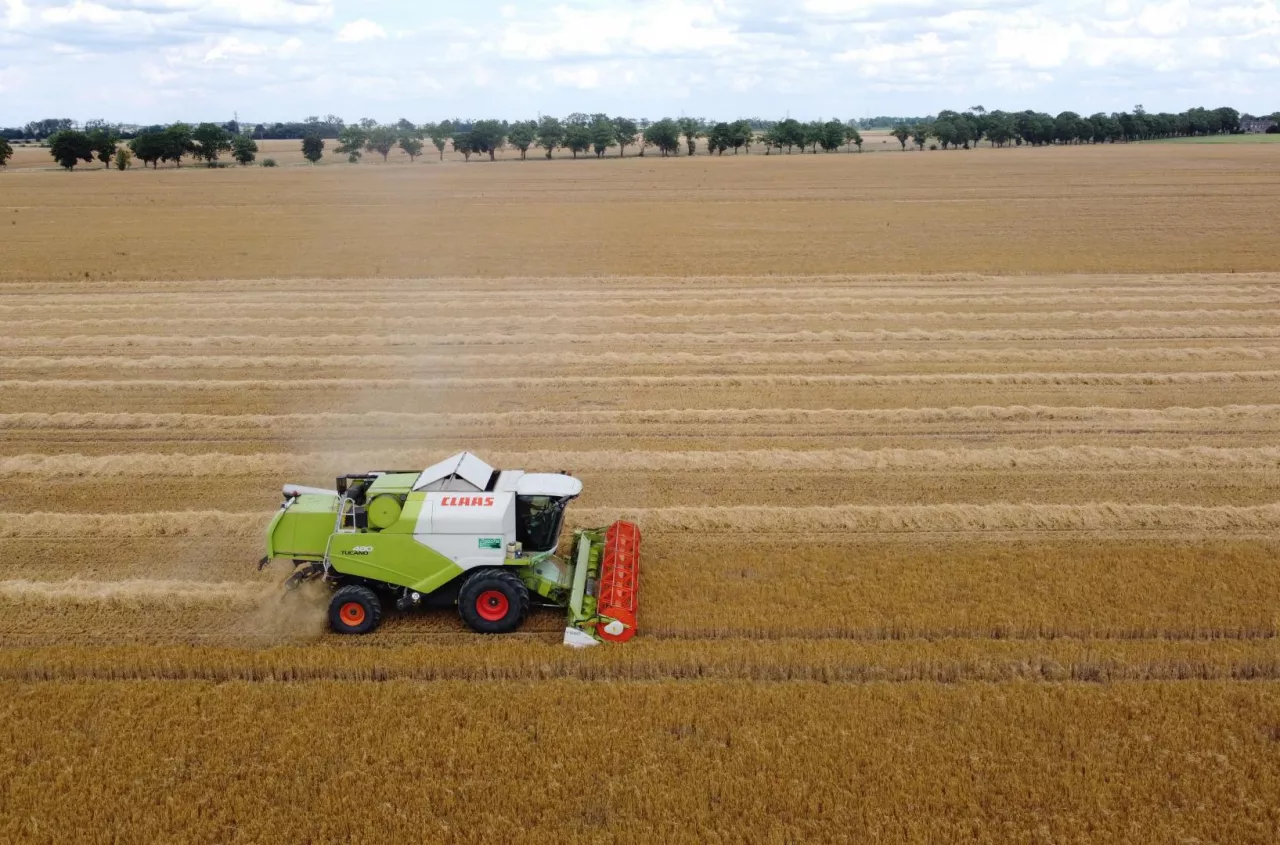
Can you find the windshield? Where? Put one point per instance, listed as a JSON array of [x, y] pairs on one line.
[[538, 521]]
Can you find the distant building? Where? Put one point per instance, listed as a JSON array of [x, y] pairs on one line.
[[1256, 125]]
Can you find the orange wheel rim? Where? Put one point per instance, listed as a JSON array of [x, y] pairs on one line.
[[351, 614]]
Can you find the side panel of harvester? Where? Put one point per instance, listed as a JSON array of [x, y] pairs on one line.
[[471, 529], [398, 554]]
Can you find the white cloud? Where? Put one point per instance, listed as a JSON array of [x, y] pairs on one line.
[[1162, 19], [1041, 47], [245, 12], [661, 27], [583, 77], [81, 12], [719, 58], [233, 47], [361, 30], [16, 14]]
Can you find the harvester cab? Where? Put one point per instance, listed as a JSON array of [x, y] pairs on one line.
[[459, 532]]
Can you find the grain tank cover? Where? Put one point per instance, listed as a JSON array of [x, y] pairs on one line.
[[462, 473]]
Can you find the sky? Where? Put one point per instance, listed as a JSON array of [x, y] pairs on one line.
[[145, 61]]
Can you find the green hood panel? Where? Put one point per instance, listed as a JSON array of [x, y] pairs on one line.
[[394, 558]]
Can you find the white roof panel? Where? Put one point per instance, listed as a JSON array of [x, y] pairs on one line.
[[548, 484]]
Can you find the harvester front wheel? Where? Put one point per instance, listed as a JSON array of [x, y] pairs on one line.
[[493, 601], [354, 610]]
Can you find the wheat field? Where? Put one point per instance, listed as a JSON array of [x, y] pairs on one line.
[[977, 554]]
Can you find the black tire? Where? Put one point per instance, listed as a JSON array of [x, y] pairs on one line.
[[493, 601], [354, 610]]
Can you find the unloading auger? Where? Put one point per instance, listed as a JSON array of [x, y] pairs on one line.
[[458, 533]]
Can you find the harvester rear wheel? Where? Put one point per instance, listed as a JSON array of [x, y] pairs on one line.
[[493, 601], [354, 610]]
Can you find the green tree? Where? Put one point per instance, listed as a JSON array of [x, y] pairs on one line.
[[69, 147], [1066, 128], [178, 142], [439, 134], [903, 133], [577, 138], [522, 135], [920, 135], [104, 141], [411, 143], [312, 149], [625, 133], [790, 133], [814, 133], [488, 136], [831, 135], [945, 131], [692, 128], [741, 135], [717, 137], [149, 147], [244, 149], [210, 139], [550, 134], [665, 135], [463, 144], [351, 142], [6, 151], [770, 140], [123, 158], [852, 136], [42, 130], [602, 135], [380, 139], [1000, 129]]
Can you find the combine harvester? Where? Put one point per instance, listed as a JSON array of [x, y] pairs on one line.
[[464, 533]]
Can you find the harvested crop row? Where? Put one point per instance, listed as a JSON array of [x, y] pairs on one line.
[[827, 661], [696, 587], [854, 519], [735, 307], [134, 592], [637, 488], [177, 329], [659, 288], [381, 362], [595, 418], [80, 385], [632, 339], [1064, 458]]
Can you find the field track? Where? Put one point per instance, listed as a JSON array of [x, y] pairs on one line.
[[927, 557]]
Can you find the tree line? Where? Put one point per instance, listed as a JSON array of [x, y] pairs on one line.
[[594, 134], [1000, 128]]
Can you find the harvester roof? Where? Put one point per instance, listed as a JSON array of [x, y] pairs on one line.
[[465, 473]]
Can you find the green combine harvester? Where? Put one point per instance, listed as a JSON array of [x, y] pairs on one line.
[[459, 533]]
